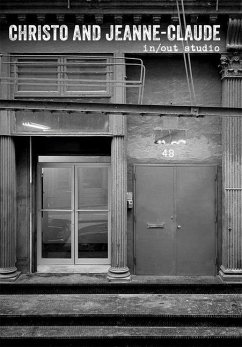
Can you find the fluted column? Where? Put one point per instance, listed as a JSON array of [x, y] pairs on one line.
[[231, 269], [118, 270], [8, 269]]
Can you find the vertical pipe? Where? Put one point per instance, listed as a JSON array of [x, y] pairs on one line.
[[30, 206]]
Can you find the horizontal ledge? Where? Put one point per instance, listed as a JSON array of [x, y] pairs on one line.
[[233, 188], [75, 160], [78, 269], [231, 271], [58, 134], [113, 332], [127, 109], [126, 8]]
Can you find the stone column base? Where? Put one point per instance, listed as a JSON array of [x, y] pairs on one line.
[[230, 275], [119, 274], [9, 274]]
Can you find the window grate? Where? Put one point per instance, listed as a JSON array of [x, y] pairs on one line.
[[69, 76]]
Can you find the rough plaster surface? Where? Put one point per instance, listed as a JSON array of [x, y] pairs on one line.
[[203, 139]]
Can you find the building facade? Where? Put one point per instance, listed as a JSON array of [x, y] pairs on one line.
[[120, 156]]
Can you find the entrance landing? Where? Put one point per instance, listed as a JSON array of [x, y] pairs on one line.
[[102, 278], [98, 284]]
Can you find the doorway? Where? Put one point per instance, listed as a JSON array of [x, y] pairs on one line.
[[175, 220], [73, 211]]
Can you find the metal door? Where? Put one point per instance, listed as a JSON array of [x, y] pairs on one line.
[[175, 224], [196, 220], [154, 227]]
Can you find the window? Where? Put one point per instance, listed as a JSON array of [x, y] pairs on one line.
[[61, 76], [35, 75]]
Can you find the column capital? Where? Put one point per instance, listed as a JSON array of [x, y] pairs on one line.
[[117, 124], [231, 65]]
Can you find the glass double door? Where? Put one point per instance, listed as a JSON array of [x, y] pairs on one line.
[[73, 213]]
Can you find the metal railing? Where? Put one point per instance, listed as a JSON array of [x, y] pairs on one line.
[[76, 75]]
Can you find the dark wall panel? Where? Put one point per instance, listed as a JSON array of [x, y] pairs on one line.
[[166, 83], [23, 195], [71, 146]]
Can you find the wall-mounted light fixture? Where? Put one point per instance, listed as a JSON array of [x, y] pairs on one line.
[[36, 126]]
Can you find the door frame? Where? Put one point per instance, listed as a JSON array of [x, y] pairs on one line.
[[53, 261], [69, 265], [177, 164], [91, 261]]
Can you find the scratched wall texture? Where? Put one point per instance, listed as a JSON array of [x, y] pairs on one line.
[[203, 139]]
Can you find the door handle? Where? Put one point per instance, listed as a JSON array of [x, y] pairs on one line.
[[179, 227], [153, 226]]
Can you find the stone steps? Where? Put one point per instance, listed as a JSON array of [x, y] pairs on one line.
[[119, 288], [121, 319], [125, 320], [51, 336], [84, 332]]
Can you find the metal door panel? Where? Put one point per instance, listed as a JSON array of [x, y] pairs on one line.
[[154, 240], [175, 213], [195, 214]]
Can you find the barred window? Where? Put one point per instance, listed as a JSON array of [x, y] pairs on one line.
[[61, 76]]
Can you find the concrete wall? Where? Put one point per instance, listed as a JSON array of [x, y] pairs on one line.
[[165, 81], [203, 139]]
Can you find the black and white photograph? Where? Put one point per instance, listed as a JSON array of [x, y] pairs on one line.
[[121, 173]]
